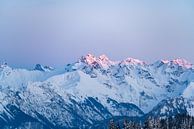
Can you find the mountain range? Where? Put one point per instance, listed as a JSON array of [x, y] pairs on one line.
[[92, 90]]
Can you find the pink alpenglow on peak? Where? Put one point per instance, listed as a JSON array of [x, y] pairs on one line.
[[134, 61], [105, 62], [89, 59], [182, 62], [102, 60]]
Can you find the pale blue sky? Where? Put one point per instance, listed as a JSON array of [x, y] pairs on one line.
[[55, 32]]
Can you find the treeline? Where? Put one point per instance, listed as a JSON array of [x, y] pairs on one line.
[[181, 121]]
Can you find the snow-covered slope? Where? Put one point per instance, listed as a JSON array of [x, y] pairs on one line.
[[172, 107], [189, 91], [183, 104], [93, 89]]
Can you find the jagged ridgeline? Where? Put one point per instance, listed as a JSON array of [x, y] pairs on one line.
[[93, 91]]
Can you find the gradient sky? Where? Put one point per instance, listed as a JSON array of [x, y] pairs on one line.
[[56, 32]]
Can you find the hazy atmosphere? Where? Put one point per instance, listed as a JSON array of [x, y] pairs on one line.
[[56, 32]]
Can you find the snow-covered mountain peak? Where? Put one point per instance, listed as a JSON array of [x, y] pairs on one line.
[[5, 68], [104, 58], [133, 61], [182, 62], [89, 59], [165, 61], [4, 64], [176, 62], [104, 61], [40, 67]]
